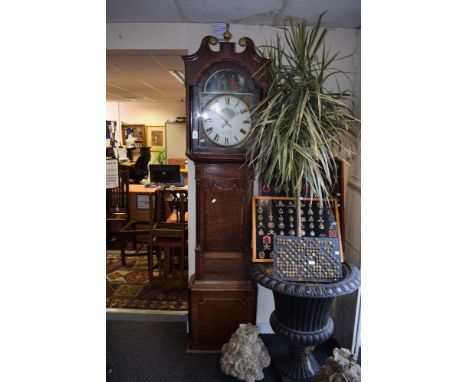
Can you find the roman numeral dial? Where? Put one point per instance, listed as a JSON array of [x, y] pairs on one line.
[[226, 120]]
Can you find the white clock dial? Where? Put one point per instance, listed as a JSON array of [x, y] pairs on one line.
[[226, 120]]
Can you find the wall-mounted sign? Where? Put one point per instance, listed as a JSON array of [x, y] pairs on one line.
[[112, 173]]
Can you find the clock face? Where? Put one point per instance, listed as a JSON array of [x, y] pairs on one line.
[[226, 119]]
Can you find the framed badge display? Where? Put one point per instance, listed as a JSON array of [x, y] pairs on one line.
[[276, 216], [337, 192]]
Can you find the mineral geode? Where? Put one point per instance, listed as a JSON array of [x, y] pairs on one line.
[[245, 355], [340, 367]]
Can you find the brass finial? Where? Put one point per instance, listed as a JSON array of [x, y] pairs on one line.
[[227, 35], [242, 41], [213, 40]]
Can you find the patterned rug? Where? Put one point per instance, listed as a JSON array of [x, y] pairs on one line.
[[128, 287]]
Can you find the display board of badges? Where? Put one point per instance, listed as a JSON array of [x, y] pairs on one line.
[[277, 216], [306, 259]]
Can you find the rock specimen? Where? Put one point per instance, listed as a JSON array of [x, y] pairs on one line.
[[340, 367], [245, 355]]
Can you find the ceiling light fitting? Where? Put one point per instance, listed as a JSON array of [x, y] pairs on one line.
[[178, 75]]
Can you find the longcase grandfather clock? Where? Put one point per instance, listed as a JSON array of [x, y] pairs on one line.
[[222, 87]]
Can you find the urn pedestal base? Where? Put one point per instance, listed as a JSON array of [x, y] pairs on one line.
[[299, 364], [302, 316]]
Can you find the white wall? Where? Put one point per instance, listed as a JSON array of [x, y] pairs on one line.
[[163, 36], [153, 114], [149, 114], [347, 310], [176, 140]]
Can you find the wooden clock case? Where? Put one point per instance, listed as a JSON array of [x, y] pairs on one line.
[[222, 294]]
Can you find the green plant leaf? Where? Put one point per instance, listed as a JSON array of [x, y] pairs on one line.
[[300, 127]]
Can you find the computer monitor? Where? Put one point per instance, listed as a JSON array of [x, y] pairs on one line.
[[168, 174]]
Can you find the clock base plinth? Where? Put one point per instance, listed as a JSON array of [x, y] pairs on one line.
[[216, 310]]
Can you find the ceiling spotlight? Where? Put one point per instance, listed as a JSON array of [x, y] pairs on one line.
[[178, 75]]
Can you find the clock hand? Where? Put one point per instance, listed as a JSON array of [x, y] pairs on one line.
[[240, 112], [219, 115]]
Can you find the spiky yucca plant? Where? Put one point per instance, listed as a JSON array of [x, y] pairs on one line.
[[301, 128]]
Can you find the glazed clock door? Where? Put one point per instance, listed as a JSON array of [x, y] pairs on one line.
[[222, 102]]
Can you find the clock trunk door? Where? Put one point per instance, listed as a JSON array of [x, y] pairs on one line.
[[223, 204], [224, 193]]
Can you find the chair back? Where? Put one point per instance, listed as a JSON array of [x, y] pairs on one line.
[[117, 198], [171, 204], [169, 238]]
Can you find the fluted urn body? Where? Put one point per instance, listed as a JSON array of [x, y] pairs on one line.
[[302, 316]]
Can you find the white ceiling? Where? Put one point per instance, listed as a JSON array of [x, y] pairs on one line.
[[144, 75], [341, 13]]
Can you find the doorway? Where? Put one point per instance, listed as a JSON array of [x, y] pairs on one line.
[[143, 88]]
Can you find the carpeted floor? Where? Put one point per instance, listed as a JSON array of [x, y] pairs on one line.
[[156, 352], [128, 287]]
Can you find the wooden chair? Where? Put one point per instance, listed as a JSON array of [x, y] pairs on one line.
[[137, 231], [117, 202], [168, 239]]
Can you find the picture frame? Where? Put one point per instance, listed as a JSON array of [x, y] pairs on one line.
[[156, 137], [111, 136], [142, 202], [138, 132], [337, 192]]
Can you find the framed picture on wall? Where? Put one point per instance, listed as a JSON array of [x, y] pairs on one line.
[[133, 135], [111, 138], [156, 137]]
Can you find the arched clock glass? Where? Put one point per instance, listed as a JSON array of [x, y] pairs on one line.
[[225, 101]]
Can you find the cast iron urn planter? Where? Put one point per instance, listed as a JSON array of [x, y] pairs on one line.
[[302, 317]]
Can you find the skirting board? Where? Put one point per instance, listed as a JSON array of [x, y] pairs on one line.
[[145, 315], [264, 328]]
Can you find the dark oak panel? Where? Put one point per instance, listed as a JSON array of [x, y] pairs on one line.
[[225, 268], [216, 310], [223, 171], [221, 201]]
